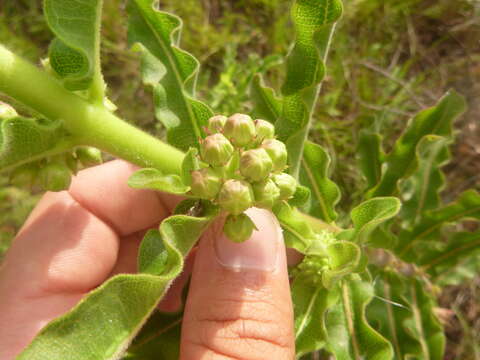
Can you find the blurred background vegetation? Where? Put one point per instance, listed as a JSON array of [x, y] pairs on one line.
[[389, 59]]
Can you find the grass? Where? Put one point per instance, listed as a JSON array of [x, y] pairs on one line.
[[390, 58]]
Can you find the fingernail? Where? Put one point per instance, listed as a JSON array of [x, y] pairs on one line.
[[260, 252]]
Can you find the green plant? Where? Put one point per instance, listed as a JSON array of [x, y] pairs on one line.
[[367, 284]]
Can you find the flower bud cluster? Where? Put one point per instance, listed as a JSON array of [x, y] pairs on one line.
[[245, 169]]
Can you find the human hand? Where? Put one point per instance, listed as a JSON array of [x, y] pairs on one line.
[[239, 304]]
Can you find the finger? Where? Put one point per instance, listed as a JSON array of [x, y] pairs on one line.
[[239, 303]]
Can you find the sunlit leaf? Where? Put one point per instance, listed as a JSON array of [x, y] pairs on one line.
[[155, 180], [370, 156], [344, 258], [267, 105]]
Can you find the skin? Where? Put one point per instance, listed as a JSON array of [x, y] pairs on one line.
[[75, 240]]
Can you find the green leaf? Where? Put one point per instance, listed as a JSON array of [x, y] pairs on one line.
[[103, 324], [403, 312], [424, 186], [155, 180], [349, 336], [411, 242], [310, 304], [370, 214], [314, 24], [296, 231], [401, 161], [314, 174], [370, 156], [159, 338], [189, 164], [171, 70], [266, 105], [23, 140], [344, 258], [75, 53]]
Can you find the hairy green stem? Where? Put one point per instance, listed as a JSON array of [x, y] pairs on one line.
[[89, 124]]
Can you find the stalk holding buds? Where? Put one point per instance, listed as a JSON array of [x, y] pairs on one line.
[[255, 164], [277, 152], [236, 196], [216, 150], [240, 129], [238, 228]]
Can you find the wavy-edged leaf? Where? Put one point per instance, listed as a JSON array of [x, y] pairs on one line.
[[176, 72], [159, 338], [189, 164], [424, 186], [314, 22], [370, 214], [344, 258], [349, 335], [23, 140], [103, 324], [467, 206], [154, 179], [266, 105], [310, 302], [404, 313], [296, 231], [75, 53], [401, 161], [325, 194], [370, 156]]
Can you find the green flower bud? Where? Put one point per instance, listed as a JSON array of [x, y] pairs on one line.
[[216, 124], [238, 228], [277, 152], [236, 196], [6, 111], [205, 183], [240, 129], [265, 130], [216, 150], [24, 176], [266, 194], [255, 164], [89, 156], [55, 177], [287, 185]]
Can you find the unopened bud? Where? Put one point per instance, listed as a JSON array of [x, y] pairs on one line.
[[266, 194], [216, 124], [216, 150], [6, 111], [24, 176], [205, 183], [238, 228], [255, 164], [89, 156], [55, 177], [240, 129], [265, 130], [287, 185], [235, 196], [277, 152]]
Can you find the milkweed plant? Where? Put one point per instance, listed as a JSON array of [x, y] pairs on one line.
[[367, 285]]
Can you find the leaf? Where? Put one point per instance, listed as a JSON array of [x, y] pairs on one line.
[[404, 313], [370, 214], [424, 186], [344, 258], [103, 324], [314, 24], [75, 53], [23, 140], [155, 180], [349, 336], [401, 161], [296, 231], [266, 105], [370, 156], [300, 197], [466, 207], [159, 338], [310, 303], [171, 70], [189, 164], [314, 174]]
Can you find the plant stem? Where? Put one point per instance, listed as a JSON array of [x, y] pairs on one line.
[[89, 124]]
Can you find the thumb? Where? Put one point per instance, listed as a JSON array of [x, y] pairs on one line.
[[239, 304]]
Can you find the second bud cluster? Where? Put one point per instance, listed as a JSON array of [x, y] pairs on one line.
[[245, 169]]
